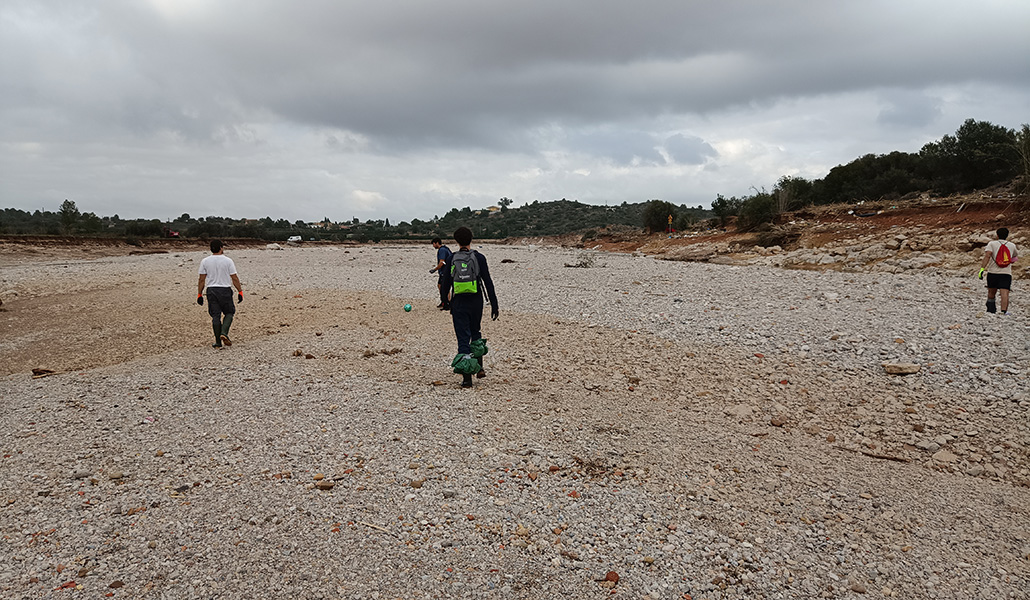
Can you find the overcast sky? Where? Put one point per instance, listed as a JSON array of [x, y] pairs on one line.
[[403, 109]]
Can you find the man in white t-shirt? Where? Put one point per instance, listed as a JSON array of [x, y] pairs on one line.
[[217, 274], [997, 265]]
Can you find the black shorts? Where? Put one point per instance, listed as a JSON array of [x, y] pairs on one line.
[[999, 281]]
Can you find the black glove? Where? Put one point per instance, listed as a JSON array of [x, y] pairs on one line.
[[200, 299], [494, 313], [239, 297]]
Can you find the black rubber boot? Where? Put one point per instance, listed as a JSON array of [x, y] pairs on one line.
[[217, 328], [466, 381], [226, 324], [991, 306]]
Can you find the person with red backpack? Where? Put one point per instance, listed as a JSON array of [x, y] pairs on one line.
[[997, 265]]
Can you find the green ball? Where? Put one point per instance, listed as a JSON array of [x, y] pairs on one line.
[[407, 308]]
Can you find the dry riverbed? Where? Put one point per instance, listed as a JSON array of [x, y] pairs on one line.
[[647, 429]]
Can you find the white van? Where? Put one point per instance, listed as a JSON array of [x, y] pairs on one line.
[[294, 238]]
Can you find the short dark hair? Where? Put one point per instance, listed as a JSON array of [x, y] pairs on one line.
[[216, 246], [463, 235], [1003, 233], [436, 241]]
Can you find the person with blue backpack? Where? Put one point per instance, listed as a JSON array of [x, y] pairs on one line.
[[443, 256], [467, 278]]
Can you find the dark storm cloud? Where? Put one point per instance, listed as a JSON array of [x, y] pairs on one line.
[[455, 72], [464, 72], [908, 109], [620, 147], [689, 150], [537, 92]]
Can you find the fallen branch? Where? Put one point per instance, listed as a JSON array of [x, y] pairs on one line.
[[886, 457], [874, 455], [383, 529]]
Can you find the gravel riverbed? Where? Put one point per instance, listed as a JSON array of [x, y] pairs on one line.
[[647, 429]]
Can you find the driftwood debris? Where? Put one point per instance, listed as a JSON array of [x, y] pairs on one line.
[[900, 459]]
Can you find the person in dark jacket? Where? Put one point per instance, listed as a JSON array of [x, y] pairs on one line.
[[467, 308], [443, 256]]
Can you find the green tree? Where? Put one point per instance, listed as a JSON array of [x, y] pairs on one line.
[[792, 192], [987, 153], [724, 208], [91, 223], [980, 154], [685, 220], [1023, 148], [69, 214], [758, 209], [656, 215]]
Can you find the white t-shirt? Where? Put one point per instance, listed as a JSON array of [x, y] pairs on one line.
[[992, 267], [219, 269]]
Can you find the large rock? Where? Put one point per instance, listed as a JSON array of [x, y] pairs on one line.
[[945, 457], [920, 261], [741, 411]]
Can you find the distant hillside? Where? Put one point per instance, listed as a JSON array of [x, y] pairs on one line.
[[558, 217], [980, 155]]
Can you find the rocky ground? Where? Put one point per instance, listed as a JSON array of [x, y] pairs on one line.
[[945, 235], [648, 429]]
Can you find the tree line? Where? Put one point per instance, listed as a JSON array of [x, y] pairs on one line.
[[532, 219], [977, 156]]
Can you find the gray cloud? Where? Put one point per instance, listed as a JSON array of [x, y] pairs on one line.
[[689, 150], [329, 100], [903, 108], [620, 146]]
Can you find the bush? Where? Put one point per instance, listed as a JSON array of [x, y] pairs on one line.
[[758, 209], [724, 208], [685, 221], [656, 215]]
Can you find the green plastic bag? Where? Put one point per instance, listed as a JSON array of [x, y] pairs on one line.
[[479, 348], [464, 364]]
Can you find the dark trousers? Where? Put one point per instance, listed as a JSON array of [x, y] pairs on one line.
[[467, 316], [443, 290], [219, 302]]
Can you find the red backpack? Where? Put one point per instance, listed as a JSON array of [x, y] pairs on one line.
[[1003, 257]]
